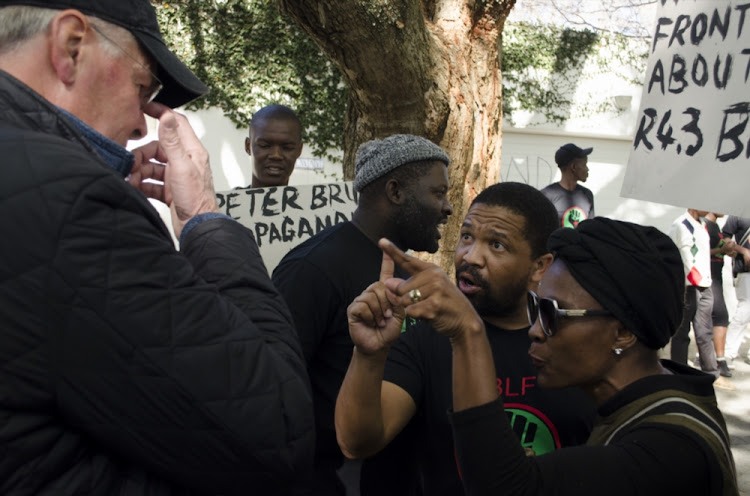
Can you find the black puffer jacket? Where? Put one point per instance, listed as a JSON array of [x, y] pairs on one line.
[[126, 367]]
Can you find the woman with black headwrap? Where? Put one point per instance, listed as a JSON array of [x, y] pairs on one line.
[[611, 299]]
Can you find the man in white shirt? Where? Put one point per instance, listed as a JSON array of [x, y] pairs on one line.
[[691, 237]]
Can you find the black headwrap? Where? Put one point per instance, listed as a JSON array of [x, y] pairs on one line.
[[633, 271]]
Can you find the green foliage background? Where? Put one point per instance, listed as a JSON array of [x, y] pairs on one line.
[[251, 56], [542, 66]]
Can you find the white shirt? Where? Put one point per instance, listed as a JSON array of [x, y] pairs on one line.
[[695, 249]]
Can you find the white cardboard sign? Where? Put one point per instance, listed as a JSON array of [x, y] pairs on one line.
[[285, 216], [692, 143]]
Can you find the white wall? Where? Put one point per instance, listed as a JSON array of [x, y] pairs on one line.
[[528, 156]]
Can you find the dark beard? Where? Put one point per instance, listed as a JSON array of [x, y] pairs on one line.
[[501, 302], [417, 227]]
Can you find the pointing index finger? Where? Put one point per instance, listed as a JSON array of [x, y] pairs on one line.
[[410, 264], [386, 268]]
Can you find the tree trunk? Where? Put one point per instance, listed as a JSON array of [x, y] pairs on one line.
[[428, 67]]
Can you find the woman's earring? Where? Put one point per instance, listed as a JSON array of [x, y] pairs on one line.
[[618, 351]]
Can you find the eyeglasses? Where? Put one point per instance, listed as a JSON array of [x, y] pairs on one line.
[[547, 311], [148, 93]]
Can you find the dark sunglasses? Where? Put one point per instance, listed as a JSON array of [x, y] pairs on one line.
[[547, 311]]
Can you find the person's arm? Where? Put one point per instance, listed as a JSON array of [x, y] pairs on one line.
[[474, 378], [730, 229], [650, 461], [370, 412], [154, 356], [678, 233]]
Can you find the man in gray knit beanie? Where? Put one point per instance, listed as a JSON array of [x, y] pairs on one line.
[[403, 184], [377, 158]]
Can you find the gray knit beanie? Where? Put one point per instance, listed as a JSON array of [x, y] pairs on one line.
[[377, 158]]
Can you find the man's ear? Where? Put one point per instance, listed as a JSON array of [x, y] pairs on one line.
[[66, 37], [539, 267], [248, 146], [394, 192]]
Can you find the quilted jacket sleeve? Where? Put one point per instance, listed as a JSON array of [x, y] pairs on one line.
[[185, 363]]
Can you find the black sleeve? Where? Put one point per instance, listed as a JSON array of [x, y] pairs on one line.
[[183, 363], [651, 460], [730, 229], [233, 278]]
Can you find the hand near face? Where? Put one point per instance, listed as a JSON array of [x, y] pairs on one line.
[[440, 302], [181, 162], [374, 321]]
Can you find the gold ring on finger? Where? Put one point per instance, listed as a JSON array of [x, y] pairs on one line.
[[415, 295]]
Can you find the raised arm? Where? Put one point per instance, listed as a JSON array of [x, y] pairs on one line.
[[185, 364], [369, 411]]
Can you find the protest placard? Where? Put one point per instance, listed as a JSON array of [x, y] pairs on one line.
[[285, 216], [692, 143]]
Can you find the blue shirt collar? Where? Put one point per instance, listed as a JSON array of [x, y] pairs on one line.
[[117, 157]]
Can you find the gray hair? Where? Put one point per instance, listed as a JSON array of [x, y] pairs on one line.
[[19, 23], [115, 33]]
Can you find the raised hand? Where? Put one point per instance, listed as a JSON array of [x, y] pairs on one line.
[[374, 322], [146, 170], [430, 295], [181, 162]]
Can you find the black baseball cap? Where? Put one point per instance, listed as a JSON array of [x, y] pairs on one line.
[[568, 152], [139, 18]]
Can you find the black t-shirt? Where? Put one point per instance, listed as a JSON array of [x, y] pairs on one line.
[[420, 362], [319, 279], [717, 261], [573, 207], [737, 227]]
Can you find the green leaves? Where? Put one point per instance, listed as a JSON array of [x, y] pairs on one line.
[[251, 56], [543, 65]]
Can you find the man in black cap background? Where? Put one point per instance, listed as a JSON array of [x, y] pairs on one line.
[[574, 203], [403, 184], [127, 367], [274, 144], [395, 381]]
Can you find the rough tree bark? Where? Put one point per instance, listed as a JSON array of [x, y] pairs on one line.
[[425, 67]]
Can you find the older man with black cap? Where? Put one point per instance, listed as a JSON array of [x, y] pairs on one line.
[[402, 182], [610, 300], [127, 367], [574, 203]]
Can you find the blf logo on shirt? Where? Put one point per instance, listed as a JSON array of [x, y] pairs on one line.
[[573, 216], [534, 430]]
